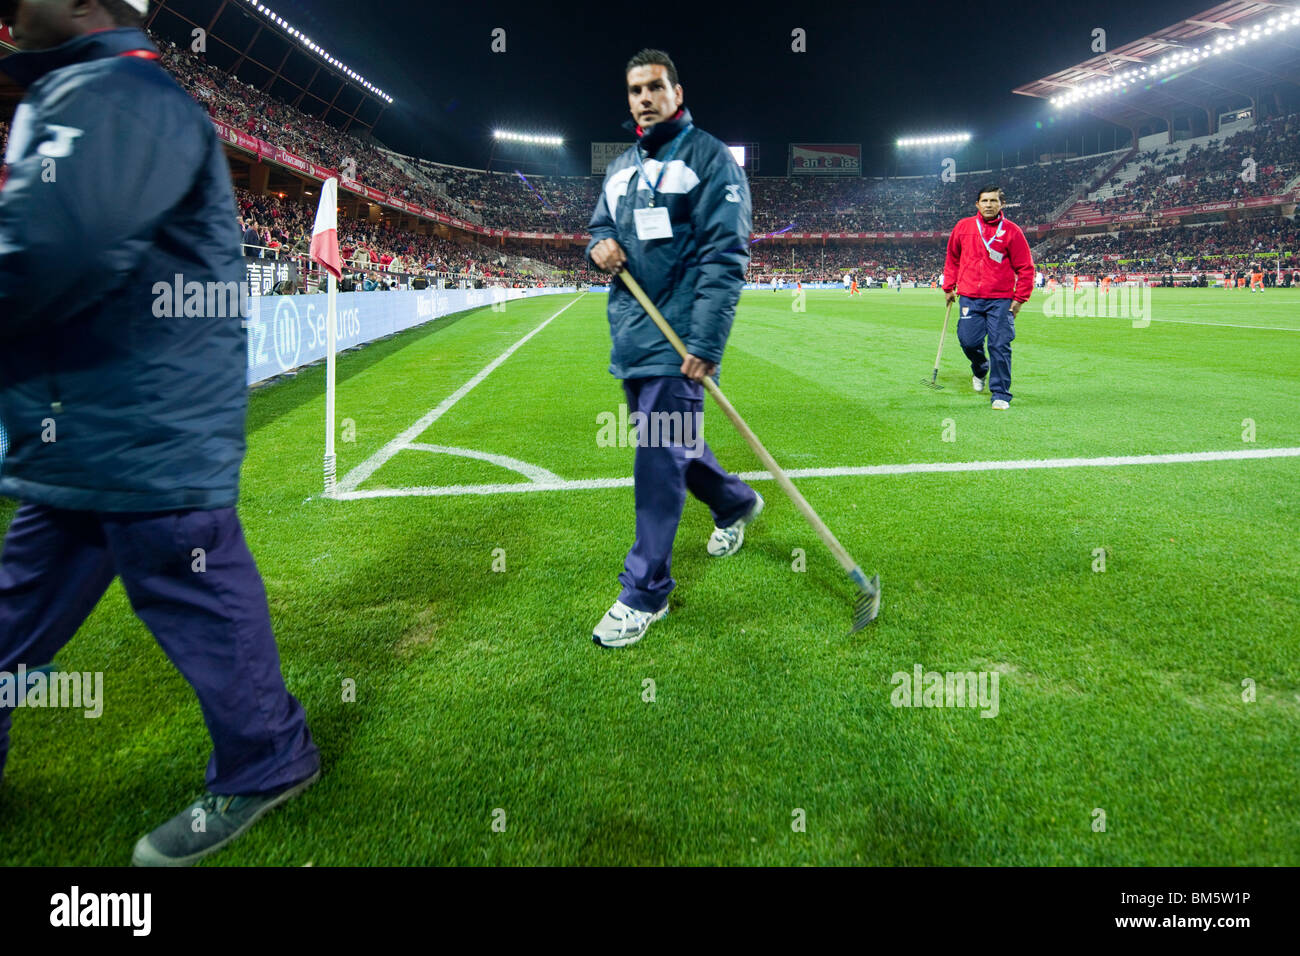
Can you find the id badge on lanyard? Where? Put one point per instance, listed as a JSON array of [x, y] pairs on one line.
[[653, 222], [988, 243]]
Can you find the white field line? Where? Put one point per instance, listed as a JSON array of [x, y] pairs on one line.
[[941, 467], [1221, 325], [531, 472], [1229, 325], [376, 461]]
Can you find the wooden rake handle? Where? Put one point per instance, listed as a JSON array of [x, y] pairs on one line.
[[823, 532], [942, 336]]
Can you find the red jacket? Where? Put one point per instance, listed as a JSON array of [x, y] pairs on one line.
[[973, 273]]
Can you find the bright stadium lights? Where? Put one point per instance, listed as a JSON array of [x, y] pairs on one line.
[[527, 138], [1182, 58], [306, 41], [943, 139]]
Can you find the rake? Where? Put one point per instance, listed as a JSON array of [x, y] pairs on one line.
[[934, 379], [866, 605]]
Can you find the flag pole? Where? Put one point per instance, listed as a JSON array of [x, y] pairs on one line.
[[331, 463], [325, 250]]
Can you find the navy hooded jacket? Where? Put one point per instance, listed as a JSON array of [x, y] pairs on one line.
[[694, 278], [116, 189]]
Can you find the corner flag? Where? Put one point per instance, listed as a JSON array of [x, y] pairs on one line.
[[325, 250], [325, 236]]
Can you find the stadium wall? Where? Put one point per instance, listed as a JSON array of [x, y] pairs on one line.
[[288, 332]]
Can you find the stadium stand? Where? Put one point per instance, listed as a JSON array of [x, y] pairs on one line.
[[1208, 247], [916, 204], [1058, 196], [1204, 170]]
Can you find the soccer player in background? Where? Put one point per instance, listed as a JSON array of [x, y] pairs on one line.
[[989, 265], [126, 430], [675, 210]]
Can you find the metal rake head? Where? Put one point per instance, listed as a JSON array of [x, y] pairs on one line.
[[866, 606], [933, 383]]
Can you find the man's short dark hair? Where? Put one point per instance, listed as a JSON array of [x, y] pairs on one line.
[[653, 58], [123, 14], [990, 188]]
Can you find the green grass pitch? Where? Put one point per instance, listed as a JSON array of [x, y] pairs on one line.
[[480, 697]]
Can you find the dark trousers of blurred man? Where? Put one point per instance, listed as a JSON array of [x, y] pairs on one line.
[[126, 422]]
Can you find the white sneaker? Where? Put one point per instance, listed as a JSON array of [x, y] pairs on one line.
[[623, 625], [1000, 405], [725, 541], [977, 383]]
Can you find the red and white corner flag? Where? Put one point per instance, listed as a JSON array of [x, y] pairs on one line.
[[325, 236]]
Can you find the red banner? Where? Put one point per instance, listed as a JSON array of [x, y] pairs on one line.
[[252, 144], [286, 158]]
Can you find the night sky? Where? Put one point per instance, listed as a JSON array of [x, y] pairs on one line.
[[868, 76]]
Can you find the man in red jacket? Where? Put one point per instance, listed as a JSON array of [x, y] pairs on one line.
[[989, 265]]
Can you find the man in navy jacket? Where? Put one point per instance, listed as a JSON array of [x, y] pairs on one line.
[[126, 419], [675, 211]]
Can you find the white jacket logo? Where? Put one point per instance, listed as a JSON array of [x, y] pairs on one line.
[[61, 146], [733, 192]]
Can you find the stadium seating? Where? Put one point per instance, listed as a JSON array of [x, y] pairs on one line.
[[1201, 171], [1211, 247], [919, 204], [1206, 170]]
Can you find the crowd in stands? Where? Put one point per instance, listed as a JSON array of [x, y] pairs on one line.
[[921, 204], [238, 104], [275, 227], [808, 204], [529, 203], [1271, 242], [280, 228], [1212, 247], [916, 262], [1214, 172], [565, 203]]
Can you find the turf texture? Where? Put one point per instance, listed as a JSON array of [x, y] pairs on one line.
[[1160, 695]]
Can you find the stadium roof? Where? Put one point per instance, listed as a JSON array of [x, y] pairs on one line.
[[1196, 64], [249, 40]]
